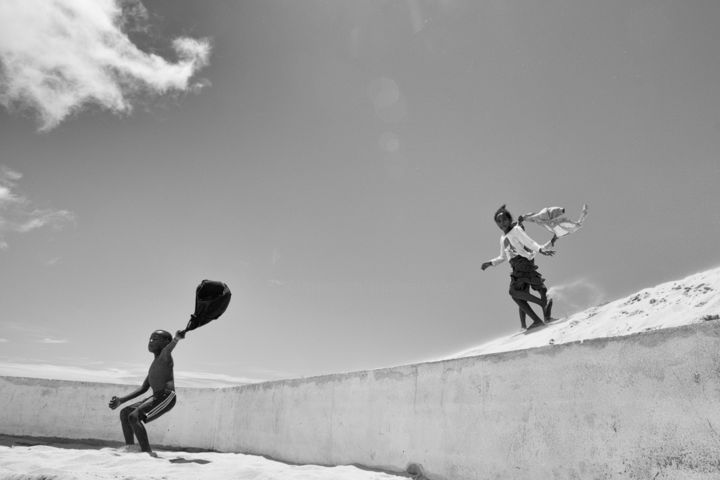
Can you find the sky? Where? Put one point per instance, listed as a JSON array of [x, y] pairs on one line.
[[337, 164]]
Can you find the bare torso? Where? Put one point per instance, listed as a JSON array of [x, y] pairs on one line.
[[160, 375]]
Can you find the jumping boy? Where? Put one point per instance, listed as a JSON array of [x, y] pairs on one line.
[[520, 249], [160, 378]]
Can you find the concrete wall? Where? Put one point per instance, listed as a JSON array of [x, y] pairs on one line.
[[638, 407]]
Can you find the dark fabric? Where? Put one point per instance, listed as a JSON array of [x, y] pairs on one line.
[[211, 300], [524, 274], [153, 407]]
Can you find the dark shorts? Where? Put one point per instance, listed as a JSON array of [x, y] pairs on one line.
[[525, 275], [155, 406]]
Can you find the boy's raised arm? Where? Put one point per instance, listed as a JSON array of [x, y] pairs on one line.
[[179, 335]]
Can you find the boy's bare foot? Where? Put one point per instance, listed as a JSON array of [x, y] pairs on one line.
[[535, 325], [130, 448], [152, 454]]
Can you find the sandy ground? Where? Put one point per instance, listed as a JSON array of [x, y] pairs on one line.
[[24, 458]]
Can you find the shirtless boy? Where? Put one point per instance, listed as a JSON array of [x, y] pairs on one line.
[[160, 378], [517, 247]]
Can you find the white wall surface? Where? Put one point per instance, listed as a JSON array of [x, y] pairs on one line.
[[638, 407]]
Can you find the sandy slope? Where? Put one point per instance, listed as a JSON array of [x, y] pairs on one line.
[[690, 300]]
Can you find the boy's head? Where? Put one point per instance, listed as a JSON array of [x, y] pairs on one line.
[[158, 340], [503, 218]]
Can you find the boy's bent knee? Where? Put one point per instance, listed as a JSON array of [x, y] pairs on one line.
[[134, 417]]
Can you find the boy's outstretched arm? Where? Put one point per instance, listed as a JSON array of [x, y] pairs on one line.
[[179, 335], [117, 401], [497, 260]]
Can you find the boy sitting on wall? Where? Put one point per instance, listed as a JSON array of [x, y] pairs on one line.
[[160, 378]]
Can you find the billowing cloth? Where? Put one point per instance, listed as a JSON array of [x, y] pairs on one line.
[[554, 220], [211, 300]]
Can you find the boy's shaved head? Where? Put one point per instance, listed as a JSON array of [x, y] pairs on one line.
[[164, 334]]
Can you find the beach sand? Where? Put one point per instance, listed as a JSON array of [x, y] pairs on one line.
[[27, 458]]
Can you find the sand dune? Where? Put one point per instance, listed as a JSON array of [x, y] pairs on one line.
[[691, 300]]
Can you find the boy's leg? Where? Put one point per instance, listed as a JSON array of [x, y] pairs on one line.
[[547, 311], [526, 296], [520, 293], [139, 430], [125, 423], [149, 410], [525, 307], [543, 295], [522, 318], [546, 303]]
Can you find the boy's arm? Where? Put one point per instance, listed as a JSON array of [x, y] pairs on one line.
[[179, 335], [117, 401], [497, 260], [528, 242]]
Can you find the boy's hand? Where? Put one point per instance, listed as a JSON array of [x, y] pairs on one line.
[[180, 334], [486, 265], [548, 253], [114, 402]]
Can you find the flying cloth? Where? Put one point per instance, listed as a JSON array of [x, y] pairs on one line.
[[554, 219], [211, 300]]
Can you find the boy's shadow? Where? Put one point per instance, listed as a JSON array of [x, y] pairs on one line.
[[188, 460]]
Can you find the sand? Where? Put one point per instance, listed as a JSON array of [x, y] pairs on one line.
[[23, 459], [694, 299]]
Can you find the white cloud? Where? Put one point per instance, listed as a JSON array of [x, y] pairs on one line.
[[53, 341], [130, 376], [59, 56], [19, 215]]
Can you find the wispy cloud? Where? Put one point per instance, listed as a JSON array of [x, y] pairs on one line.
[[19, 215], [131, 375], [59, 56], [25, 328], [53, 341], [53, 261], [575, 296]]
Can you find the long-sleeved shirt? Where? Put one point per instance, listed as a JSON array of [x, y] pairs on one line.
[[517, 242]]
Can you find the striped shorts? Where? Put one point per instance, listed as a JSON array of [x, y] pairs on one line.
[[155, 406]]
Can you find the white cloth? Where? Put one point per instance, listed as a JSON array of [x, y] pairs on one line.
[[554, 220], [517, 242]]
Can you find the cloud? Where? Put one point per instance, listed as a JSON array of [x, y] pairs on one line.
[[130, 376], [60, 56], [19, 215], [3, 340], [575, 296], [53, 341]]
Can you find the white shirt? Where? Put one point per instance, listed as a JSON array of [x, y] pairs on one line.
[[517, 242]]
